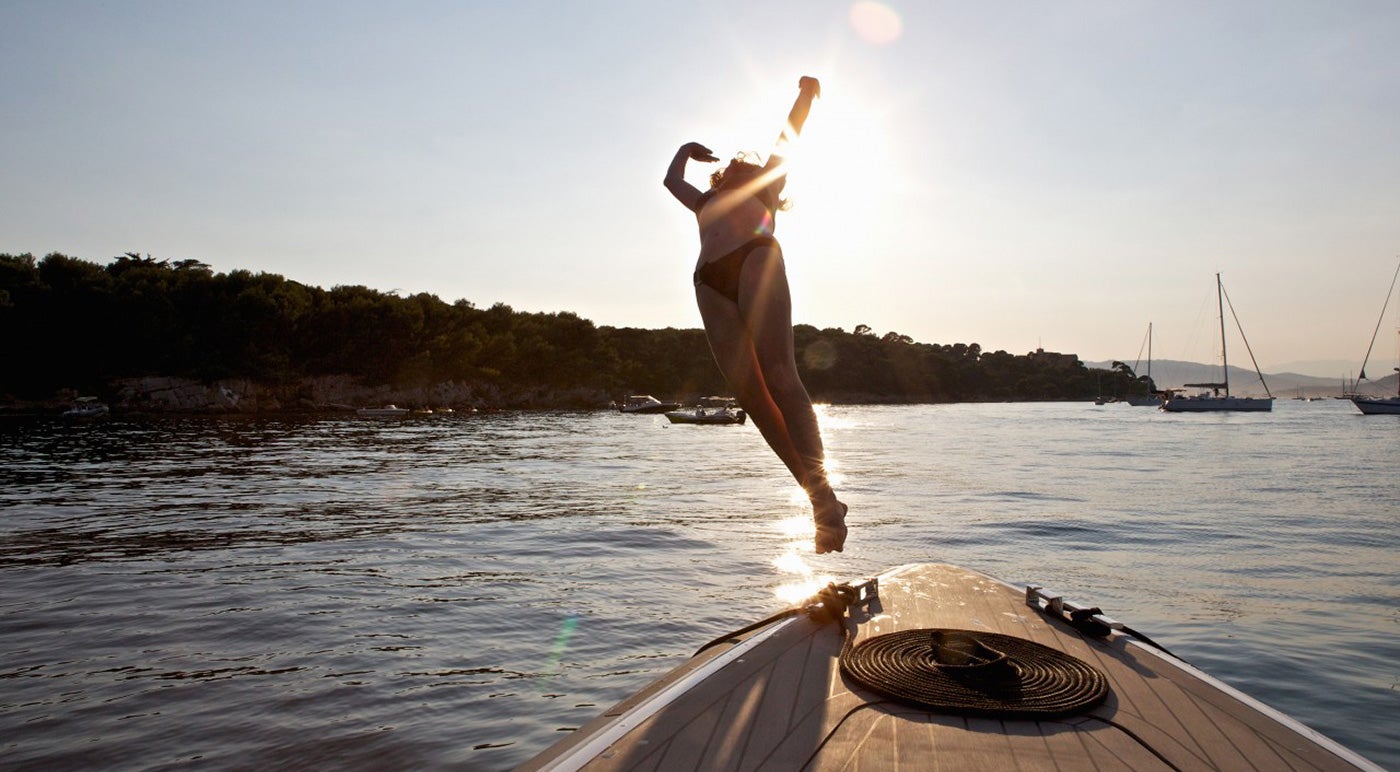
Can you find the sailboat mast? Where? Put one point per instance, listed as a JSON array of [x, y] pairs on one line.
[[1377, 331], [1224, 360], [1149, 351]]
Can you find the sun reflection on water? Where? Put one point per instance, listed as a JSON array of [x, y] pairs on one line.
[[827, 421], [802, 581]]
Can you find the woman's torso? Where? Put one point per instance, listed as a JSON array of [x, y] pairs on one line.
[[728, 219]]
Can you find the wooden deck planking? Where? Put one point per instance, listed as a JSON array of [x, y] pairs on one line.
[[739, 718], [1095, 741], [781, 703], [1257, 736], [783, 695], [872, 739], [700, 711], [815, 726]]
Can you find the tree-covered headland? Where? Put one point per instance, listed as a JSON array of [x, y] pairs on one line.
[[70, 324]]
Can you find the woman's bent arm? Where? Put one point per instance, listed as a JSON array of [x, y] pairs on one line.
[[675, 174]]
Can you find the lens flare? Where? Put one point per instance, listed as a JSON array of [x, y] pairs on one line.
[[561, 644], [875, 23]]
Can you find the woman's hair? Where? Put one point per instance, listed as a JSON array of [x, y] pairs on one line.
[[740, 170]]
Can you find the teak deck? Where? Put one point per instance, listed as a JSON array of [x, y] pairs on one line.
[[777, 700]]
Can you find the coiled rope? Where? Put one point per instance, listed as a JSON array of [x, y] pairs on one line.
[[974, 673], [963, 672]]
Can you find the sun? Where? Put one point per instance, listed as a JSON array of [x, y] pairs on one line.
[[845, 178], [842, 172]]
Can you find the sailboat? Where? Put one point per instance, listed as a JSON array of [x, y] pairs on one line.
[[1152, 399], [1213, 400], [1376, 405]]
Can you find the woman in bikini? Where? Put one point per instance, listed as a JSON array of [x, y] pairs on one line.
[[742, 290]]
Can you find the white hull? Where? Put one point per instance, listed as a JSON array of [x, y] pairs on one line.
[[388, 411], [87, 411], [1144, 401], [1377, 406], [722, 416], [1213, 401], [645, 403], [1215, 404]]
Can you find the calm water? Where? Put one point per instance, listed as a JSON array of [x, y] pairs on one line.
[[457, 591]]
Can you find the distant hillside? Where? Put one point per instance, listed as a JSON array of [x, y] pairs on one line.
[[1171, 374]]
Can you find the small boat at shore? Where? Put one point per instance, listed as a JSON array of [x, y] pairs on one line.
[[645, 403], [936, 666], [388, 411], [720, 416], [87, 407]]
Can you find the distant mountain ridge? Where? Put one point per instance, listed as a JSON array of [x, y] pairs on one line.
[[1171, 374]]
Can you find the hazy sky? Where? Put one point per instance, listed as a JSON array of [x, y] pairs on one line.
[[1015, 174]]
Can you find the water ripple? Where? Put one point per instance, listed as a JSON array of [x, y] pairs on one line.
[[456, 591]]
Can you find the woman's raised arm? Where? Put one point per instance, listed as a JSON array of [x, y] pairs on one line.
[[808, 89]]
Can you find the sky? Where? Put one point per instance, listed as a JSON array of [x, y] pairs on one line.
[[1015, 174]]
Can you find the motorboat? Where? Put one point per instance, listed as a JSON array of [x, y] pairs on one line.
[[645, 403], [707, 415], [935, 666], [87, 407], [388, 411]]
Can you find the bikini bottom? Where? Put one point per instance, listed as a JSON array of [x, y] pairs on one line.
[[722, 275]]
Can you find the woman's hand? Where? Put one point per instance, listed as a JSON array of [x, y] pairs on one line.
[[808, 84], [698, 152]]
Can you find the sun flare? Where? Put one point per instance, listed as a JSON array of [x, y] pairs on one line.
[[804, 582], [842, 174], [841, 164]]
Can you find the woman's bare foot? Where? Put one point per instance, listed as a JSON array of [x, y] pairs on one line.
[[831, 527]]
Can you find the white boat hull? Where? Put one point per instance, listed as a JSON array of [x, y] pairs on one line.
[[382, 412], [1218, 404], [1377, 406], [718, 417], [645, 404], [1144, 401]]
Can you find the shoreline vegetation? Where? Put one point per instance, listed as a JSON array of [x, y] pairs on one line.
[[149, 335]]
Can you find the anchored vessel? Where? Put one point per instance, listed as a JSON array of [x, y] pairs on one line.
[[645, 403], [1213, 400], [935, 666], [1379, 405]]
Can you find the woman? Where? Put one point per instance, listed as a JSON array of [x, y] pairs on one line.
[[742, 290]]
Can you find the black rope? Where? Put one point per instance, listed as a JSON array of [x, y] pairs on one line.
[[963, 672], [1141, 637], [974, 673], [1084, 621], [735, 635], [828, 605]]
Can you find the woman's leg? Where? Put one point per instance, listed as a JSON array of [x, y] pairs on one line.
[[733, 350], [765, 306]]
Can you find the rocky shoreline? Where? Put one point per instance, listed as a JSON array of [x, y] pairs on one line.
[[325, 394]]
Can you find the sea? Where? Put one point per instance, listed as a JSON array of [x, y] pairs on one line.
[[460, 591]]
